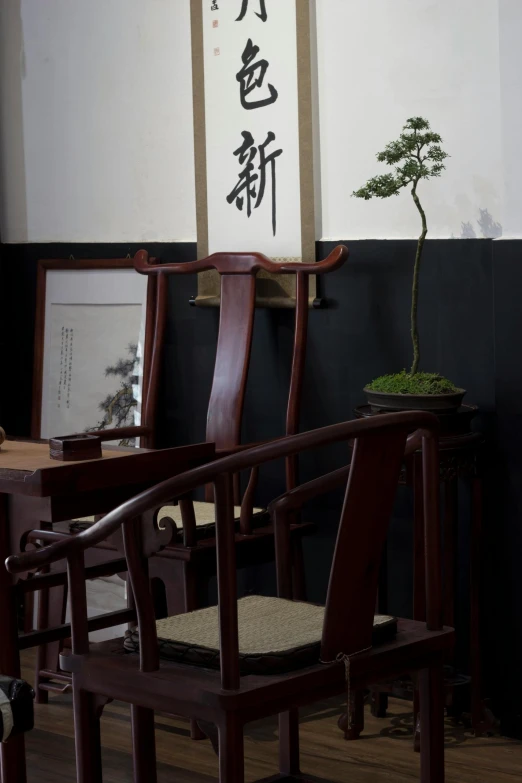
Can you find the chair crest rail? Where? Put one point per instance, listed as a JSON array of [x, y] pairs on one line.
[[241, 264]]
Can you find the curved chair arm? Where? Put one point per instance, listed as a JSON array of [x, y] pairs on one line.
[[294, 499], [241, 264], [210, 472]]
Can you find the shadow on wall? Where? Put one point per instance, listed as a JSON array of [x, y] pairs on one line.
[[489, 228], [13, 201]]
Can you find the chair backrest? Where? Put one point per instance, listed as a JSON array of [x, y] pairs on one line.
[[371, 480], [237, 306]]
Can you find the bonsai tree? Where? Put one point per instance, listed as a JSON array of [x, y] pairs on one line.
[[415, 156]]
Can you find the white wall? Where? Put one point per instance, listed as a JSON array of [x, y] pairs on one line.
[[511, 107], [96, 116], [382, 61], [97, 134]]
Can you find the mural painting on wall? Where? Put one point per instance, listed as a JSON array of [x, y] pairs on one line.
[[252, 126]]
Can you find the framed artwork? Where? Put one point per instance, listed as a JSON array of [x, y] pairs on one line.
[[93, 340]]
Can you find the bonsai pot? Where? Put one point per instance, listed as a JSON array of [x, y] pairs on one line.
[[436, 403]]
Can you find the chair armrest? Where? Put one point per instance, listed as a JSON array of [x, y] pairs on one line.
[[62, 546], [294, 499], [414, 442]]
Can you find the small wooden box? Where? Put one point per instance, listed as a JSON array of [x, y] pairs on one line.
[[72, 448]]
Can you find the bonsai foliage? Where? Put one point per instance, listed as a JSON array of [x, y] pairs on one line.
[[416, 155]]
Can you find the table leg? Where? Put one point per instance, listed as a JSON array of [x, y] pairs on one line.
[[12, 753], [450, 548], [419, 572], [450, 524], [419, 566], [379, 699], [481, 719]]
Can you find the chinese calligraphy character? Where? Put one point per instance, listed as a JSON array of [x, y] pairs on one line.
[[244, 8], [214, 6], [61, 367], [246, 178], [251, 184], [251, 76]]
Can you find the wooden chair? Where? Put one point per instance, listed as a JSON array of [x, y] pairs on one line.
[[189, 561], [247, 659], [186, 565]]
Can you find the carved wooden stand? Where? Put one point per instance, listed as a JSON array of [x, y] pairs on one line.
[[460, 460]]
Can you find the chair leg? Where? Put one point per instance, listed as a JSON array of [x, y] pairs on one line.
[[143, 745], [52, 604], [87, 738], [416, 712], [181, 591], [289, 742], [431, 682], [352, 729], [379, 704], [231, 752], [28, 612], [190, 579], [171, 573], [298, 570], [191, 603]]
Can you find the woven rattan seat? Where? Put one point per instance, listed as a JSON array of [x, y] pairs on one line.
[[275, 635], [205, 514]]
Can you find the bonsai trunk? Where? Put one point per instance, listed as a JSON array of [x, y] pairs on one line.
[[415, 286]]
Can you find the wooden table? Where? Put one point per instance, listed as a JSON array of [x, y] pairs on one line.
[[37, 491]]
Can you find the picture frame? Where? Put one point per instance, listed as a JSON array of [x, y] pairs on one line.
[[93, 344]]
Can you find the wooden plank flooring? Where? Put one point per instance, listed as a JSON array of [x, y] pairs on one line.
[[384, 753]]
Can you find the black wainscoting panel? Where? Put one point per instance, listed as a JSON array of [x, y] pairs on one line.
[[470, 322], [503, 560]]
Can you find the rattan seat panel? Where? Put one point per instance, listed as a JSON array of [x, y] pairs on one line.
[[205, 513], [275, 635]]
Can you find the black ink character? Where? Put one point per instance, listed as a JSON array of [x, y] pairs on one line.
[[214, 6], [262, 11], [251, 76], [248, 179]]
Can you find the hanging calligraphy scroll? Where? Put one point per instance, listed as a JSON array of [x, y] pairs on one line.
[[253, 136]]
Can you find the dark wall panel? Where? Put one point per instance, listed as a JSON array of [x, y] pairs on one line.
[[503, 561]]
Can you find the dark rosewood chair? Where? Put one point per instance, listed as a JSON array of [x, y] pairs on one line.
[[255, 657], [189, 560]]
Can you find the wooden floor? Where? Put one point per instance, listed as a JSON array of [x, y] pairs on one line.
[[383, 754]]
